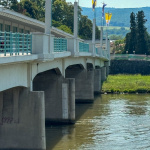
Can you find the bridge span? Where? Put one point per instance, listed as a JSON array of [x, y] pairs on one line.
[[42, 76]]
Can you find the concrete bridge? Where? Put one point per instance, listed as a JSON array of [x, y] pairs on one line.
[[41, 77]]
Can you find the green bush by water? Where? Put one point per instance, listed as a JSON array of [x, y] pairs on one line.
[[127, 84]]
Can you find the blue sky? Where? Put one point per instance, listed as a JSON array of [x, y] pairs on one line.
[[115, 3]]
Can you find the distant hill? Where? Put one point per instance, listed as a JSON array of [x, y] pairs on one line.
[[120, 16]]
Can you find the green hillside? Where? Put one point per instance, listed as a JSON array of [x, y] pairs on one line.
[[120, 16], [116, 33]]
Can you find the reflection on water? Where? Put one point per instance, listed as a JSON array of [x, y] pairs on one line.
[[112, 122]]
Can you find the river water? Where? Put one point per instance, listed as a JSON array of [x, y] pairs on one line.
[[112, 122]]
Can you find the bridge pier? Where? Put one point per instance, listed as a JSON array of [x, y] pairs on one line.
[[106, 64], [97, 81], [84, 83], [103, 72], [59, 96], [22, 119]]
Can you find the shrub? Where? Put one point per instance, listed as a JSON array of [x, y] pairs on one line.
[[125, 91], [131, 91], [141, 90]]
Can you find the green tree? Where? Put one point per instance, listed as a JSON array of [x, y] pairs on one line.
[[14, 5], [127, 42], [131, 37], [85, 28], [132, 41], [41, 8], [142, 39], [58, 10], [65, 28], [97, 33], [138, 38], [30, 9]]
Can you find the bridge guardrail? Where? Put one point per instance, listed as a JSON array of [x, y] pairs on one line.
[[129, 57], [96, 50], [15, 43], [83, 47], [60, 44]]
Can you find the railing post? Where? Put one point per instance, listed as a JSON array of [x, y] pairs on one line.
[[101, 42], [31, 43], [18, 40], [48, 16], [11, 44], [101, 37], [23, 44], [93, 36], [76, 43], [16, 43], [27, 38], [75, 20], [107, 46], [43, 45], [51, 44], [5, 43], [48, 25]]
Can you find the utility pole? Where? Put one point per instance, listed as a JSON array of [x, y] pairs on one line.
[[48, 16]]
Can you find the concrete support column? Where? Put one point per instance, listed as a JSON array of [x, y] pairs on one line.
[[16, 105], [1, 107], [70, 99], [23, 120], [103, 73], [48, 16], [76, 43], [101, 38], [106, 64], [59, 97], [75, 20], [84, 83], [93, 36], [107, 47], [97, 81], [43, 45]]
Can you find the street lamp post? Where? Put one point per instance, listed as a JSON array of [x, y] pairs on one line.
[[48, 16], [75, 20]]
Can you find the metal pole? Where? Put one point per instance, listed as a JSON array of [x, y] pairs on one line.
[[75, 20], [101, 38], [48, 16], [93, 37]]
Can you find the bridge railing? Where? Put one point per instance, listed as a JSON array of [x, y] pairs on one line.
[[60, 44], [15, 43], [129, 57], [96, 50], [83, 47], [46, 46]]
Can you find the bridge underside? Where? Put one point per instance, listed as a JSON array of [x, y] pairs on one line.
[[84, 83], [23, 113], [59, 96]]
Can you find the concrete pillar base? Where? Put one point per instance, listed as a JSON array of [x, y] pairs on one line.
[[84, 84], [22, 120], [103, 73], [59, 97], [106, 64], [97, 81]]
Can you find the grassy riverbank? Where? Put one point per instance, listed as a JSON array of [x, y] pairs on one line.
[[127, 84]]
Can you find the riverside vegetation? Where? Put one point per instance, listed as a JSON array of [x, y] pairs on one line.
[[126, 84]]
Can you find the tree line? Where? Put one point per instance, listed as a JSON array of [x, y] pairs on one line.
[[62, 15], [137, 40]]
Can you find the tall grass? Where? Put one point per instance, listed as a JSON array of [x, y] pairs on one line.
[[127, 84]]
